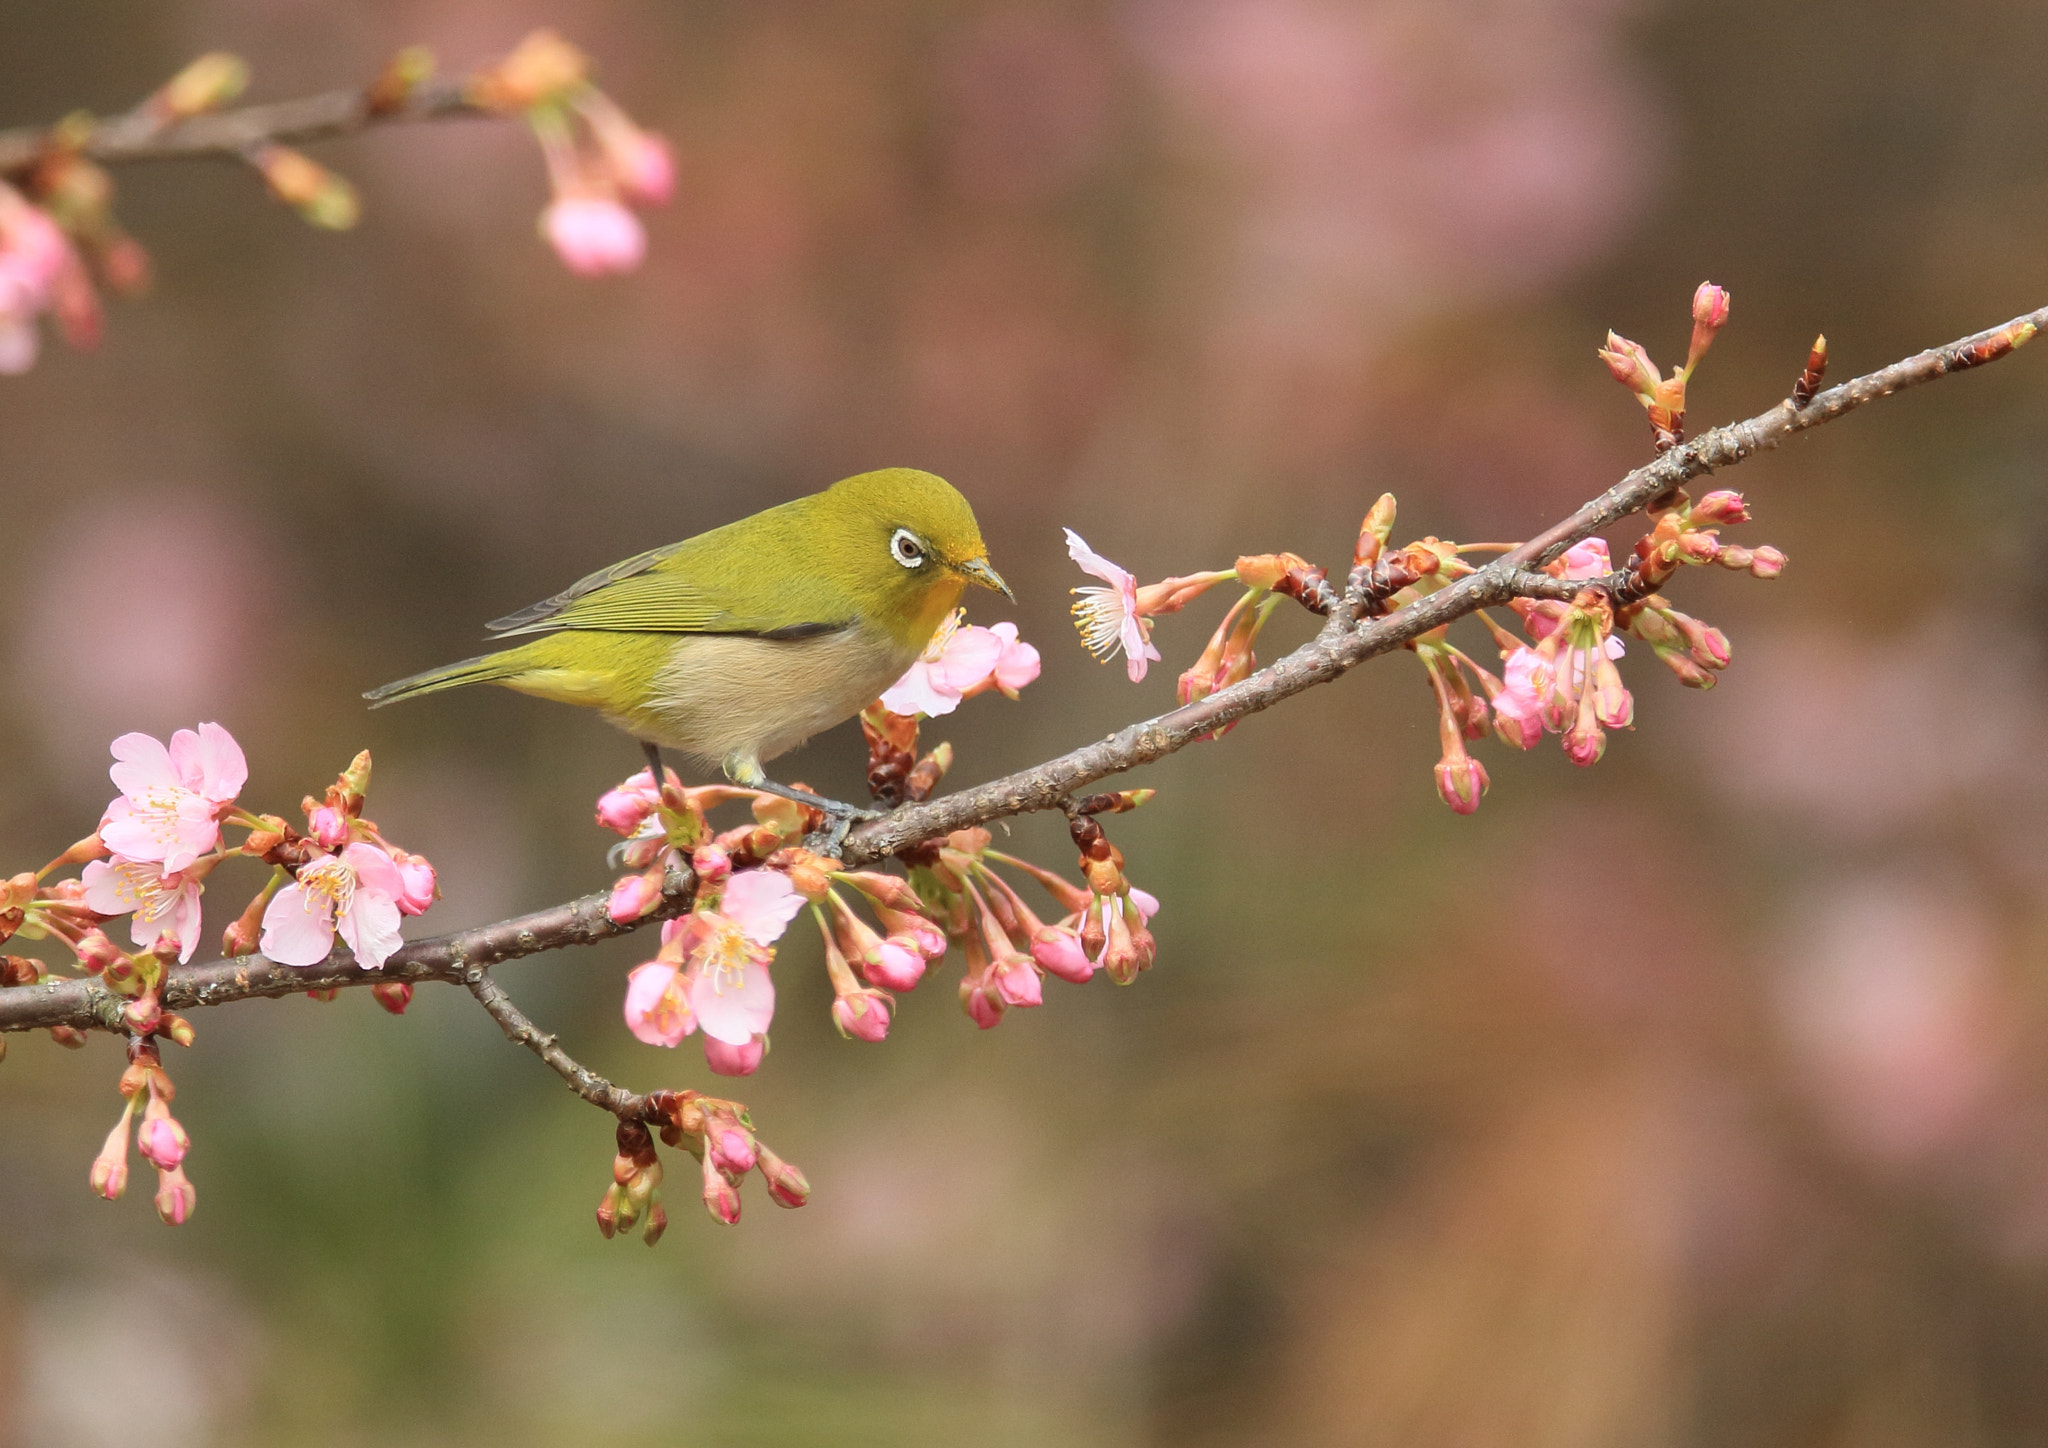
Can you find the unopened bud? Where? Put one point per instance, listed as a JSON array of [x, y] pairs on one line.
[[540, 68], [1631, 366], [1767, 562], [732, 1150], [928, 771], [1461, 780], [69, 1037], [322, 199], [608, 1209], [1722, 506], [862, 1015], [178, 1029], [142, 1015], [786, 1184], [657, 1223], [393, 995], [175, 1197], [404, 73], [1374, 532], [206, 84]]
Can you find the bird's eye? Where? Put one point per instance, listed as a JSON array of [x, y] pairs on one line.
[[905, 549]]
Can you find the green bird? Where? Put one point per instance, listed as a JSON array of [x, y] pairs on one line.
[[739, 644]]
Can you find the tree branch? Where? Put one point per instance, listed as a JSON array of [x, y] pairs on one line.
[[140, 136], [1341, 646]]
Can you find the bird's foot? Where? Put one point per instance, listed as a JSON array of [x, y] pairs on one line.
[[840, 817]]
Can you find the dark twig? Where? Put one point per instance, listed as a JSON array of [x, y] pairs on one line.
[[624, 1104]]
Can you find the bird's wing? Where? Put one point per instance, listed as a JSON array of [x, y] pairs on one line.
[[641, 596]]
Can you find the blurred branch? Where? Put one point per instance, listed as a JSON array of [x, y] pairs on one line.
[[1344, 643], [142, 135]]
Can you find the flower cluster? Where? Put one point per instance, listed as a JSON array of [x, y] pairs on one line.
[[158, 842], [1559, 676], [60, 244], [600, 164]]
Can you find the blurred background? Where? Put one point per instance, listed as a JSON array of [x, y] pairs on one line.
[[1694, 1099]]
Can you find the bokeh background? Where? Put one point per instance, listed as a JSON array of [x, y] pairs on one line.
[[1693, 1099]]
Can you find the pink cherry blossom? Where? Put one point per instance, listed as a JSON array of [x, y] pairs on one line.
[[1518, 708], [1059, 950], [162, 904], [594, 235], [957, 661], [862, 1015], [1108, 617], [175, 1196], [354, 893], [657, 1006], [172, 798], [34, 256], [162, 1141], [329, 826], [1017, 665]]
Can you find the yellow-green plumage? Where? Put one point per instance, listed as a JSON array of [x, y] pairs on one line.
[[742, 642]]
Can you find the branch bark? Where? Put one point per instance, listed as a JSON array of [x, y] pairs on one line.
[[1341, 646], [139, 136]]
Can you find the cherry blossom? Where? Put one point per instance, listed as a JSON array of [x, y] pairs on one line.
[[959, 659], [162, 903], [1108, 617], [172, 798], [722, 985], [594, 235], [354, 893]]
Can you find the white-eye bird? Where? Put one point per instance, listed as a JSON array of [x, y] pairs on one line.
[[741, 643]]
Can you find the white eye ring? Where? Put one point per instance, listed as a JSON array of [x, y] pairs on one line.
[[905, 548]]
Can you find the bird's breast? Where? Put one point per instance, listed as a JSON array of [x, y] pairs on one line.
[[723, 695]]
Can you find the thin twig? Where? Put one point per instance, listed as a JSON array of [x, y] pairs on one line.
[[140, 136], [624, 1104], [1340, 647]]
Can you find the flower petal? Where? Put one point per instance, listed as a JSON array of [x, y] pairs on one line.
[[921, 690], [762, 903], [370, 926], [223, 769], [733, 1012], [141, 763], [1094, 563], [296, 927], [657, 1008]]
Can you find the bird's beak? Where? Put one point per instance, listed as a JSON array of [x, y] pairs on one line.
[[978, 570]]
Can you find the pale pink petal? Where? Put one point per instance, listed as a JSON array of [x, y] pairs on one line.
[[370, 926], [142, 763], [1019, 663], [657, 1009], [1147, 903], [1137, 647], [1094, 563], [112, 888], [184, 752], [969, 657], [762, 903], [921, 690], [733, 1011], [296, 927], [184, 918], [593, 235], [20, 342], [223, 769], [374, 870]]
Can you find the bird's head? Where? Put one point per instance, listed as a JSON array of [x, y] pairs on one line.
[[910, 544]]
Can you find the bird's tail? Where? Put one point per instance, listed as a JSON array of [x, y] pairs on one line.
[[484, 669]]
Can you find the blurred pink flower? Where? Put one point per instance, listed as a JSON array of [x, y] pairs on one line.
[[1518, 708], [354, 893], [171, 799], [161, 902], [34, 254], [1108, 617], [638, 160], [594, 235]]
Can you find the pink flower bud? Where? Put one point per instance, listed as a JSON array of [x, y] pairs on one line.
[[96, 952], [109, 1175], [657, 1223], [1058, 949], [894, 965], [983, 1008], [175, 1196], [1613, 705], [329, 826], [633, 896], [1768, 562], [642, 166], [593, 235], [1120, 959], [1631, 365], [1722, 506], [913, 932], [1016, 981], [625, 808], [713, 866], [1461, 780], [1710, 306], [1585, 742], [608, 1208], [786, 1184], [729, 1060], [732, 1150], [162, 1141], [417, 886], [862, 1015], [721, 1199], [393, 995]]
